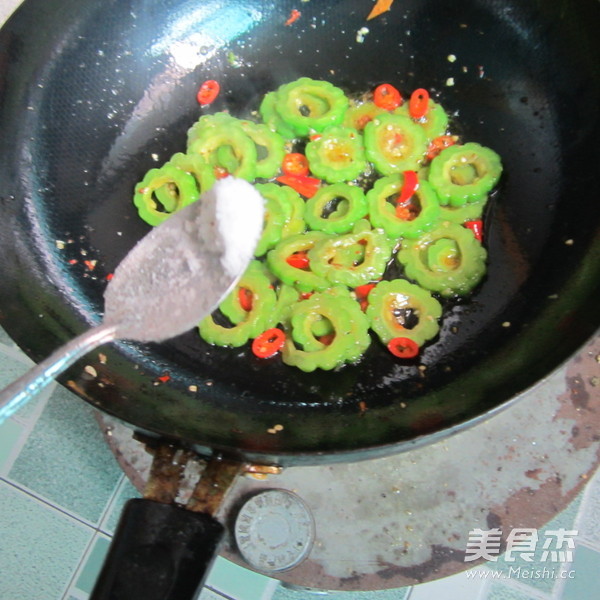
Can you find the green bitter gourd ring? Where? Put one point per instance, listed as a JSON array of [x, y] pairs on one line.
[[394, 143], [382, 213], [245, 324], [393, 307], [350, 206], [448, 259], [464, 173], [350, 331], [308, 105]]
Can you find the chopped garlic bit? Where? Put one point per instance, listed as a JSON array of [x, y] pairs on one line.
[[90, 370], [450, 81], [360, 34], [451, 57], [193, 388]]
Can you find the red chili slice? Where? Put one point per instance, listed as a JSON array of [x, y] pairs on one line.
[[268, 343], [362, 294], [299, 260], [403, 347], [327, 339], [418, 103], [245, 298], [405, 210], [386, 96], [208, 92], [294, 16], [438, 144], [295, 163], [476, 226], [306, 186]]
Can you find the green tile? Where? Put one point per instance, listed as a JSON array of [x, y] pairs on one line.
[[5, 339], [235, 581], [581, 582], [13, 366], [124, 492], [92, 564], [291, 592], [208, 594], [10, 434], [40, 549], [66, 460], [503, 591]]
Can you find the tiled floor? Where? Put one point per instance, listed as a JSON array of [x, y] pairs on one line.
[[61, 492]]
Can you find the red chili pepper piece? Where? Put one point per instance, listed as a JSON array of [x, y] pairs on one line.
[[386, 96], [403, 347], [418, 103], [362, 294], [306, 186], [476, 226], [208, 92], [268, 343], [438, 144], [404, 209], [295, 163], [164, 378], [326, 339], [294, 16], [245, 298], [299, 260]]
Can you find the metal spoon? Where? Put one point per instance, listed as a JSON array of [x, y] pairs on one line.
[[176, 275]]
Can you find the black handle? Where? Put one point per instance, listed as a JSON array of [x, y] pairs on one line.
[[159, 552]]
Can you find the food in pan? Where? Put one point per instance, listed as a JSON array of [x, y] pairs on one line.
[[373, 219]]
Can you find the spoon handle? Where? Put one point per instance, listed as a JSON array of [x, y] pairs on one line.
[[20, 391]]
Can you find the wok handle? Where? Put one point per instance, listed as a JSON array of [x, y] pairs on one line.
[[19, 392], [159, 552]]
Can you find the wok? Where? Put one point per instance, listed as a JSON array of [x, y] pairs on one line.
[[104, 91]]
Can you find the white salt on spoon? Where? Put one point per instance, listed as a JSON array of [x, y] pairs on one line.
[[176, 275]]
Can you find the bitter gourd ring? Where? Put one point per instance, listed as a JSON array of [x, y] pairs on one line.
[[308, 105], [303, 279], [337, 155], [352, 259], [179, 189], [348, 323], [382, 212], [246, 324], [394, 143], [347, 203], [238, 146], [448, 260], [398, 308], [464, 173]]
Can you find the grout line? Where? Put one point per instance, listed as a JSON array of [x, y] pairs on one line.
[[40, 499], [110, 504], [215, 591], [71, 583]]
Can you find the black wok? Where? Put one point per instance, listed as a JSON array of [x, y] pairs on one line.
[[94, 94]]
